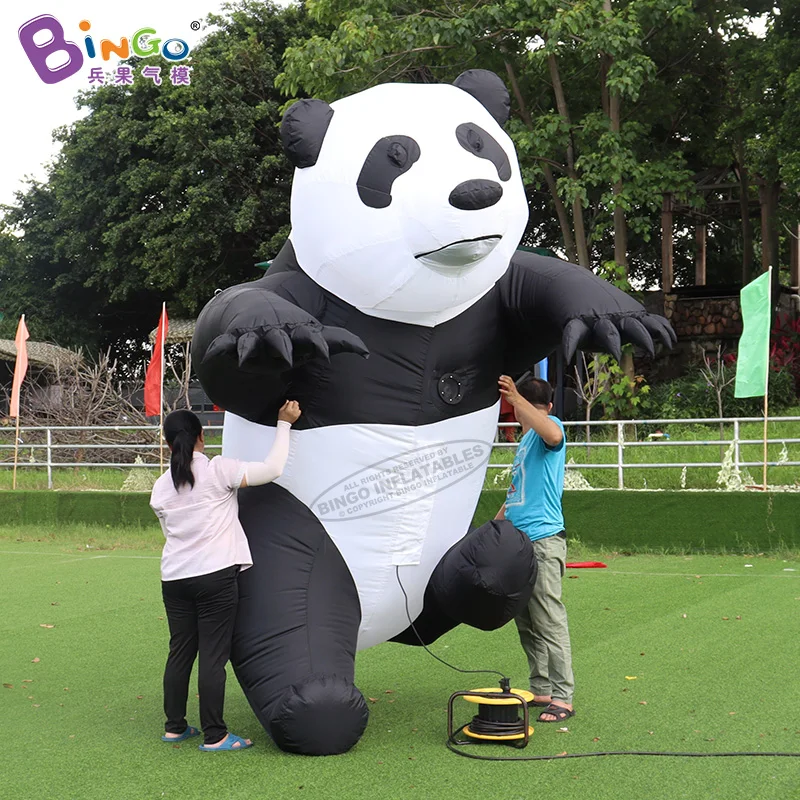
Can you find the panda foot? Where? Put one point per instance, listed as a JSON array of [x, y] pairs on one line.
[[324, 715], [485, 579]]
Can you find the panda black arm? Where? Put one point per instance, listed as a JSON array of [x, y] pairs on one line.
[[251, 338], [545, 301]]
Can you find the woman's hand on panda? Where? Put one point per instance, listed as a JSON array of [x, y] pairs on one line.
[[289, 412], [266, 333]]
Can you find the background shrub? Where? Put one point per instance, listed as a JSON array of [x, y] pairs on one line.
[[693, 396]]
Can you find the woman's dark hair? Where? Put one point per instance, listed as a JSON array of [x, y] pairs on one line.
[[182, 429]]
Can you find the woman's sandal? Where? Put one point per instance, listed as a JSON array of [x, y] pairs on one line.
[[190, 731], [231, 742], [559, 712]]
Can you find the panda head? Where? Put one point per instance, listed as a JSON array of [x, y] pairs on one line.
[[407, 200]]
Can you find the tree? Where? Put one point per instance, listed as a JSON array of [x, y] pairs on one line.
[[570, 67], [775, 152], [161, 192], [718, 378], [589, 385], [744, 130], [79, 392]]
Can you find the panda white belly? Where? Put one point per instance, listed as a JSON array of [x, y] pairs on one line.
[[390, 497]]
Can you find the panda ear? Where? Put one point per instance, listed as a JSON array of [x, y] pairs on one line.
[[303, 130], [489, 90]]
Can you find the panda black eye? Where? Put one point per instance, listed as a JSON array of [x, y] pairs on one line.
[[477, 141], [398, 154], [389, 158]]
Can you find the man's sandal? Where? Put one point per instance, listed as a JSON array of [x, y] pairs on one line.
[[190, 731], [559, 712], [231, 742]]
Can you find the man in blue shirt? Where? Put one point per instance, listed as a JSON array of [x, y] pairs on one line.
[[533, 505]]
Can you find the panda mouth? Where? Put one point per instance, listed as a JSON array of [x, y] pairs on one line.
[[460, 255]]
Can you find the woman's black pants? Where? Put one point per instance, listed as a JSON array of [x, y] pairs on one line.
[[201, 613]]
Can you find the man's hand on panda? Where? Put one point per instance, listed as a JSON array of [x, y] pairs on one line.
[[266, 333]]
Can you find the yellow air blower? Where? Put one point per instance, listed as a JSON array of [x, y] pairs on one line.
[[497, 720]]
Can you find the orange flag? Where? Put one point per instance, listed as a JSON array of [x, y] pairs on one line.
[[21, 366], [153, 382]]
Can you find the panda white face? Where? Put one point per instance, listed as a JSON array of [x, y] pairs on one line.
[[414, 206]]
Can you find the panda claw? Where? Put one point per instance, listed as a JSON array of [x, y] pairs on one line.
[[633, 330], [658, 326], [606, 334], [224, 343], [280, 344], [307, 336], [248, 347], [576, 334], [341, 340]]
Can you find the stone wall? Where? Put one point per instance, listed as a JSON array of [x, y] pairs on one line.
[[702, 323], [716, 317]]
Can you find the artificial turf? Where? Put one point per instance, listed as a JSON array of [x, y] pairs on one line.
[[690, 653]]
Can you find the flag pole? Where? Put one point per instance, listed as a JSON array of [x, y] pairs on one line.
[[16, 435], [766, 384], [16, 454], [161, 398]]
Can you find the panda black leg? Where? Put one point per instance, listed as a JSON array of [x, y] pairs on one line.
[[296, 628], [484, 581]]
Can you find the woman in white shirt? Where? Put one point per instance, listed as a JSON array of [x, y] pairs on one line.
[[205, 549]]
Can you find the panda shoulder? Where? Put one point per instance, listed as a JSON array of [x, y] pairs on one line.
[[529, 260], [296, 287]]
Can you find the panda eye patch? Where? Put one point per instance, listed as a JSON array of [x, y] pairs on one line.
[[477, 141], [389, 158]]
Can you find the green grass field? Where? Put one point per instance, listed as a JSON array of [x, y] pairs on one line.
[[689, 653]]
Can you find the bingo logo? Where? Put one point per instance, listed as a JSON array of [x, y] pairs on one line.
[[42, 38]]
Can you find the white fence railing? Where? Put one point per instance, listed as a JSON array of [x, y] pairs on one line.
[[53, 447], [620, 443], [57, 443]]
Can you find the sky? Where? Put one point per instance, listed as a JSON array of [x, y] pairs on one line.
[[33, 109]]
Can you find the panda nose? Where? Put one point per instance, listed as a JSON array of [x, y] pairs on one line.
[[476, 194]]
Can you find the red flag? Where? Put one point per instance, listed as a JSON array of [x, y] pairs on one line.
[[21, 366], [155, 371]]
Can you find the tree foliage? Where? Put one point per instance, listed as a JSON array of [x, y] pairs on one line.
[[170, 192], [616, 102], [159, 193], [584, 79]]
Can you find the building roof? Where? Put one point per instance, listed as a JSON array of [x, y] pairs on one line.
[[40, 354], [179, 331]]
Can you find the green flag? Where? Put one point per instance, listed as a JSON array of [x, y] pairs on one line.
[[752, 362]]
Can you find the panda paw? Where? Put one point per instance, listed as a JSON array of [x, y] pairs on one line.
[[609, 332], [284, 347], [279, 337]]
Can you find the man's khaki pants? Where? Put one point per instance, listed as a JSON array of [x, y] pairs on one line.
[[542, 625]]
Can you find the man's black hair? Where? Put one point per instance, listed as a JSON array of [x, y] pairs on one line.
[[536, 391]]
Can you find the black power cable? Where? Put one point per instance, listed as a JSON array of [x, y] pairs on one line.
[[497, 720], [503, 679], [451, 745], [503, 726]]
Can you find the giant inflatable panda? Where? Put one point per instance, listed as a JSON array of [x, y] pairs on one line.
[[395, 305]]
